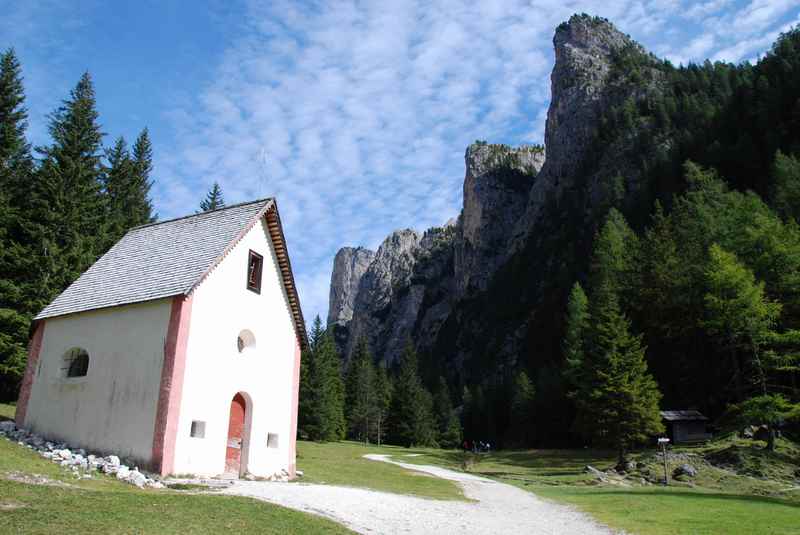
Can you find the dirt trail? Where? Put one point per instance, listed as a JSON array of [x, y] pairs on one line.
[[496, 507]]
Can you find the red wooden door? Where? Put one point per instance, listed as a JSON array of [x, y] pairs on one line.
[[233, 452]]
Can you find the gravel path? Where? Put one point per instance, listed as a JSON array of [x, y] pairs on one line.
[[497, 507]]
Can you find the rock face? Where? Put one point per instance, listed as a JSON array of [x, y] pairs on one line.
[[349, 267], [584, 51], [407, 288], [437, 289], [497, 184]]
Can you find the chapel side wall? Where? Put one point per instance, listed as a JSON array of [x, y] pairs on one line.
[[112, 409], [216, 371]]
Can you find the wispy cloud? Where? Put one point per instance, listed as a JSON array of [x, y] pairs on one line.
[[356, 114]]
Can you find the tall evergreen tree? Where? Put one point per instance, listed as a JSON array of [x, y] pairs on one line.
[[326, 411], [785, 191], [140, 203], [618, 398], [307, 395], [448, 426], [411, 420], [361, 396], [383, 400], [213, 200], [15, 171], [738, 314], [15, 158], [118, 176], [521, 420], [67, 192], [577, 319]]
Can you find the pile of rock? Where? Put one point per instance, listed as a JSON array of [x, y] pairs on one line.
[[282, 477], [81, 463]]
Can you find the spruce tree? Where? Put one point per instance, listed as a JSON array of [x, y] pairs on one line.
[[521, 420], [383, 400], [618, 398], [140, 204], [308, 396], [118, 176], [213, 200], [326, 420], [411, 420], [448, 426], [67, 192], [361, 396], [576, 321], [15, 158], [15, 172], [785, 191]]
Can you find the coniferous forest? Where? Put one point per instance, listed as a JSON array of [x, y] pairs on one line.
[[62, 205], [677, 289]]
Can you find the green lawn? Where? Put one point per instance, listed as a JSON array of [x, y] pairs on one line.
[[7, 411], [726, 503], [721, 503], [342, 463], [105, 505], [679, 511]]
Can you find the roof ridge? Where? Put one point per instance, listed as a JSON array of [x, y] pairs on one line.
[[237, 205]]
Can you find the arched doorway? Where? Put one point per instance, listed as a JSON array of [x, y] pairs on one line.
[[238, 435]]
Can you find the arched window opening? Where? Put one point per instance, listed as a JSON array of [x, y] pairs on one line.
[[245, 341], [76, 363]]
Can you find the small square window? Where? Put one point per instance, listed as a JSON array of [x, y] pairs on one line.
[[255, 263], [272, 440], [198, 429]]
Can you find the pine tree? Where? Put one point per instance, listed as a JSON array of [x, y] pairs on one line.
[[738, 315], [577, 319], [118, 176], [615, 395], [326, 419], [411, 420], [618, 398], [213, 200], [67, 193], [361, 398], [140, 208], [448, 426], [15, 158], [613, 255], [307, 395], [383, 400], [15, 171], [785, 191], [521, 419]]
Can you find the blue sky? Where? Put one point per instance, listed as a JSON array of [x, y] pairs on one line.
[[355, 115]]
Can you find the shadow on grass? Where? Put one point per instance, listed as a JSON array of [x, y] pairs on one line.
[[688, 495]]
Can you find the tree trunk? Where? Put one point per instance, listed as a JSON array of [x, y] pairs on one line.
[[770, 438]]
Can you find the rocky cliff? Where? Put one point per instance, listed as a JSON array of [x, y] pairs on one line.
[[471, 289], [407, 288]]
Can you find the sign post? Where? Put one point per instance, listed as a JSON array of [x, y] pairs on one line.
[[663, 443]]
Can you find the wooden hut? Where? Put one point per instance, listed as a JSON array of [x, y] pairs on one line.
[[686, 426]]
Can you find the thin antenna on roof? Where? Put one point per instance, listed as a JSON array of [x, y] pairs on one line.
[[262, 182]]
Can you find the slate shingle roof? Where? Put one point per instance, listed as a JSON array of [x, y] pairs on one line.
[[679, 416], [169, 258]]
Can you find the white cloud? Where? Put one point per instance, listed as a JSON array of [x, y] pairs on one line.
[[356, 114]]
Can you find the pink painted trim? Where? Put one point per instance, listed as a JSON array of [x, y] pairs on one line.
[[295, 400], [171, 387], [34, 348]]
